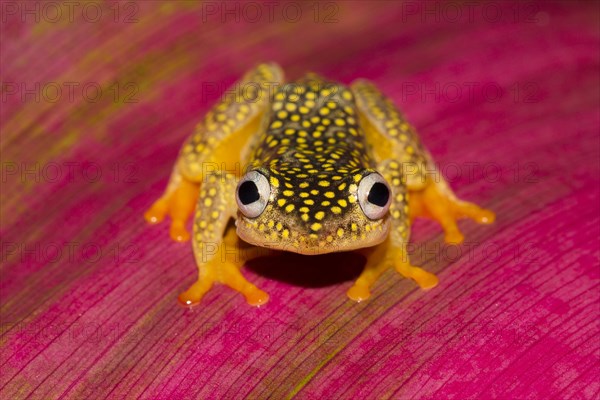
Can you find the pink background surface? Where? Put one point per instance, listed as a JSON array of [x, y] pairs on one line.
[[506, 98]]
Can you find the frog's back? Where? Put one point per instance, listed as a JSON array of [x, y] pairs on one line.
[[312, 129]]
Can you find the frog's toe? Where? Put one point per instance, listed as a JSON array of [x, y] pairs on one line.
[[195, 293], [425, 280], [256, 297], [451, 232], [474, 212], [178, 232], [461, 209], [156, 213], [358, 293], [236, 281]]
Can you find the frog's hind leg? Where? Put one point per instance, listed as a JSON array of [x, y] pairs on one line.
[[393, 138], [216, 144]]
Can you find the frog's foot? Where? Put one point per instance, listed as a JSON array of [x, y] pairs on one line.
[[381, 258], [227, 273], [439, 203], [179, 204]]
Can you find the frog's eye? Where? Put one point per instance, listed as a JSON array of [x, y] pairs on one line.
[[374, 196], [252, 194]]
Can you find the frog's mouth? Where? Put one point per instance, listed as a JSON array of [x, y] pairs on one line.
[[324, 243]]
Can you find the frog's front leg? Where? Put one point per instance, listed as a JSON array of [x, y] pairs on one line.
[[393, 251], [217, 252]]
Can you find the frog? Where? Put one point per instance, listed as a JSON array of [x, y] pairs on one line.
[[309, 166]]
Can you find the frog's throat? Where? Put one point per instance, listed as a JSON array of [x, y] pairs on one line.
[[313, 246]]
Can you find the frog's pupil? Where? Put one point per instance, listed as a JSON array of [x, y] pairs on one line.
[[248, 193], [379, 194]]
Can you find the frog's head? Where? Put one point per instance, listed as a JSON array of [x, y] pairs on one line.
[[313, 214]]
